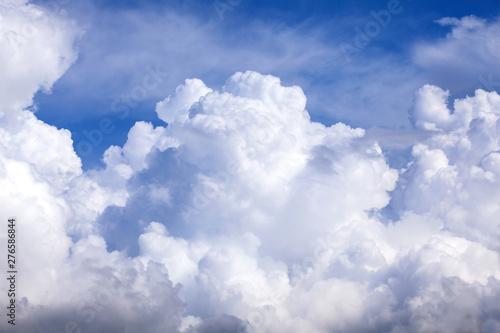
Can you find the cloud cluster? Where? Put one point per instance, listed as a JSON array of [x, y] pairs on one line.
[[240, 214], [63, 284]]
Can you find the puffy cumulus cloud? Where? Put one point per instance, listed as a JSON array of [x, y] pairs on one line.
[[455, 172], [250, 218], [101, 291], [37, 48], [253, 184], [47, 149], [252, 149], [467, 55], [430, 111], [185, 95], [67, 279], [277, 221], [282, 222], [64, 284], [452, 184]]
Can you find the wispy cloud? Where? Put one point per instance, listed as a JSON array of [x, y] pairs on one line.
[[463, 56]]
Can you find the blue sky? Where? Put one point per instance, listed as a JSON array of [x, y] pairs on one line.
[[298, 41]]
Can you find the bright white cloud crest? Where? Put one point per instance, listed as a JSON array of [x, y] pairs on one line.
[[274, 223], [37, 48]]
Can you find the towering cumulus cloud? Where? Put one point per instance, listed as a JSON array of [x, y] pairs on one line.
[[240, 214], [63, 285]]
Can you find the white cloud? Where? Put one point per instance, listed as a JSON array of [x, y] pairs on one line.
[[62, 283], [305, 201], [430, 109], [185, 95], [466, 58], [37, 48], [304, 214]]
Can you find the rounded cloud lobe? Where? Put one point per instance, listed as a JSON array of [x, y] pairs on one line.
[[249, 217], [37, 48]]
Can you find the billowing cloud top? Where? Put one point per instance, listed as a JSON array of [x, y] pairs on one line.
[[37, 48], [246, 216]]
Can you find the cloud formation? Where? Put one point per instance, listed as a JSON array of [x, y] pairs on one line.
[[246, 216]]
